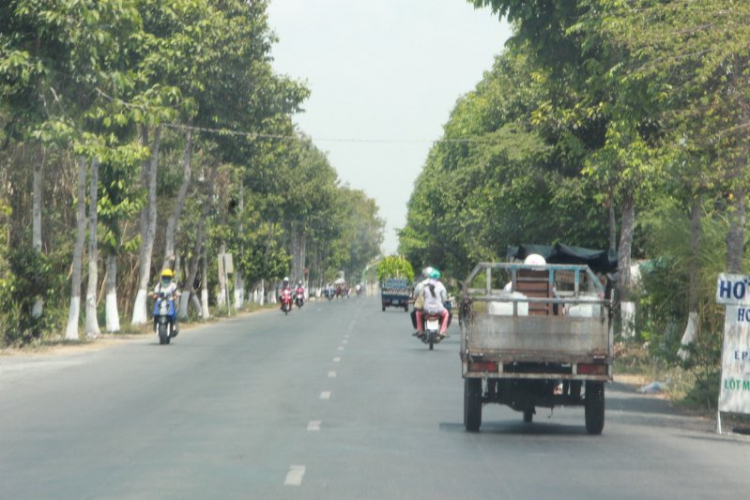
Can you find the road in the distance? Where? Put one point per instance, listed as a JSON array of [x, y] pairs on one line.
[[338, 401]]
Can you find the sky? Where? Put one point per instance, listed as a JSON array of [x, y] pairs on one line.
[[384, 76]]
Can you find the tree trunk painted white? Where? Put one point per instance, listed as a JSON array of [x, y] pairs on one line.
[[696, 234], [627, 307], [200, 233], [221, 299], [239, 281], [271, 293], [184, 303], [239, 290], [691, 331], [148, 234], [92, 322], [112, 314], [205, 311], [179, 204], [71, 331], [36, 226]]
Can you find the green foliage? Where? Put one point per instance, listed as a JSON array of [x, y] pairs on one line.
[[395, 266], [30, 275], [509, 183], [95, 80]]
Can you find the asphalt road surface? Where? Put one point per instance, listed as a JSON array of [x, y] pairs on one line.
[[334, 401]]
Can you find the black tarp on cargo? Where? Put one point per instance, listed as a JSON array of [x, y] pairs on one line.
[[600, 261]]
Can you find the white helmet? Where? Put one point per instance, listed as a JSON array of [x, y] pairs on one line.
[[535, 260], [286, 278]]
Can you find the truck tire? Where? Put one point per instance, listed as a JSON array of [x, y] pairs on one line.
[[472, 404], [594, 405], [528, 416]]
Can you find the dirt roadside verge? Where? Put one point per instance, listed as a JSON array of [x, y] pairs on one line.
[[62, 348]]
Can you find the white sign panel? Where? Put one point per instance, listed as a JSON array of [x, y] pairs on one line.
[[733, 289], [734, 396]]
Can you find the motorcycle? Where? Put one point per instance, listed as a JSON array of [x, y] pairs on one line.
[[299, 298], [432, 329], [165, 317], [286, 301]]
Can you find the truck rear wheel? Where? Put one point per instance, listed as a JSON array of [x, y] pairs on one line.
[[528, 416], [594, 405], [473, 404]]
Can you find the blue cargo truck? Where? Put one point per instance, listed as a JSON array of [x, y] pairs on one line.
[[395, 292]]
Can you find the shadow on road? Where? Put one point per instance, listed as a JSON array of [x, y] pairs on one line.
[[543, 428]]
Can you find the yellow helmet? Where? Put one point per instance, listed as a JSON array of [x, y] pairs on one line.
[[167, 273]]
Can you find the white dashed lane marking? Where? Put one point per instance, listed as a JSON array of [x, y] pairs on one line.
[[314, 426], [341, 348], [325, 395], [331, 374], [336, 360], [344, 342], [295, 475]]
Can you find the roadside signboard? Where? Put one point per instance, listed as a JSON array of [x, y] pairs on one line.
[[734, 292]]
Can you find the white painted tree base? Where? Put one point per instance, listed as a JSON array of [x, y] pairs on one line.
[[71, 331], [184, 302], [627, 313], [112, 315], [239, 298], [689, 336], [92, 322], [140, 316], [205, 311], [38, 308]]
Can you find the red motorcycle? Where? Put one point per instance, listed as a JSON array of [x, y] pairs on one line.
[[286, 301]]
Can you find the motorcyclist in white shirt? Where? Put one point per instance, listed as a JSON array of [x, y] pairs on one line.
[[417, 292], [435, 295]]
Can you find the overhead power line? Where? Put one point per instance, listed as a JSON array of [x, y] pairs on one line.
[[283, 137]]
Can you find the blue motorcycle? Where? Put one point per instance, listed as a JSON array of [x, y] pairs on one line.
[[165, 317]]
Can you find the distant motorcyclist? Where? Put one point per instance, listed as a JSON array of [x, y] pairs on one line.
[[284, 289], [166, 287], [299, 293], [284, 285], [435, 295]]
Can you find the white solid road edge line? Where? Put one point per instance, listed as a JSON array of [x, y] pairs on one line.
[[325, 395], [295, 475], [314, 425]]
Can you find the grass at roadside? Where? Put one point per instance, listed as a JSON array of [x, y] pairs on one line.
[[693, 388]]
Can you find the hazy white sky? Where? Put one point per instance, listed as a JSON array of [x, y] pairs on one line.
[[382, 70]]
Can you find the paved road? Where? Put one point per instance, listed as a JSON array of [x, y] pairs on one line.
[[334, 401]]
